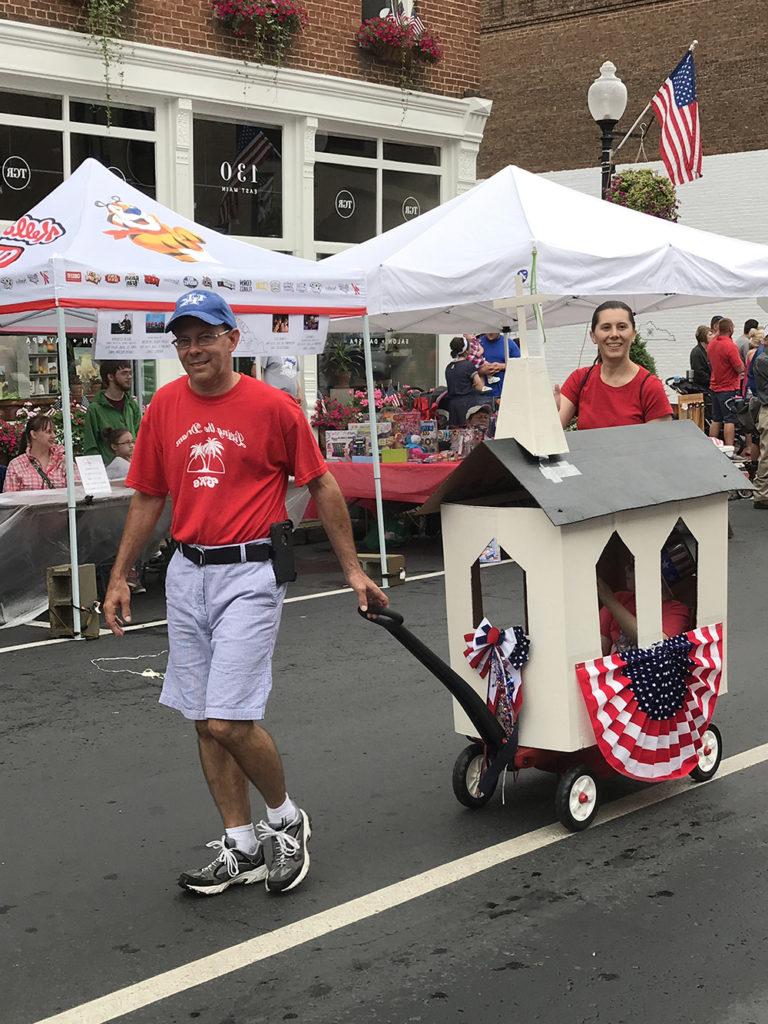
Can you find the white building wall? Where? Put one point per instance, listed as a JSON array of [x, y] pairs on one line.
[[730, 199]]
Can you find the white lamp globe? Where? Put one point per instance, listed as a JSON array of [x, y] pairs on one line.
[[607, 96]]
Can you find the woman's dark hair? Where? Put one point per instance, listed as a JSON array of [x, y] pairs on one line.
[[458, 346], [612, 304], [111, 434], [37, 422]]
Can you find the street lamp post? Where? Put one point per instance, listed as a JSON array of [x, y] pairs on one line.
[[607, 99]]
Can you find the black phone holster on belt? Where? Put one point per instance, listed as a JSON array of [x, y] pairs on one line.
[[283, 562]]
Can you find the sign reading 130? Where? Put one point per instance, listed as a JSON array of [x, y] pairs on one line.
[[244, 173]]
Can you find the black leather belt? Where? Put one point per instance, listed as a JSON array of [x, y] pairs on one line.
[[230, 555]]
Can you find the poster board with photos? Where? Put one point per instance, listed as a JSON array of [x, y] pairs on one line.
[[135, 334]]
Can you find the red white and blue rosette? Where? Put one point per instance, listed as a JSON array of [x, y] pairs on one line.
[[499, 655]]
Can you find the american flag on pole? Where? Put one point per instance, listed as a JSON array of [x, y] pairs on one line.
[[677, 111], [650, 708]]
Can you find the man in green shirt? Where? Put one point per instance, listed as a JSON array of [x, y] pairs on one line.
[[113, 406]]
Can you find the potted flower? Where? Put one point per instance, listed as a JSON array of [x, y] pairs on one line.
[[268, 25], [331, 414], [10, 436], [340, 361]]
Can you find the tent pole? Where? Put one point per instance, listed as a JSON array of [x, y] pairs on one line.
[[66, 416], [140, 383], [375, 450]]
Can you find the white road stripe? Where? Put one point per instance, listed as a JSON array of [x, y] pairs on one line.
[[217, 965], [164, 622]]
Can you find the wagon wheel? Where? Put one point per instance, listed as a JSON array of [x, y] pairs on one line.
[[466, 777], [577, 798], [709, 756]]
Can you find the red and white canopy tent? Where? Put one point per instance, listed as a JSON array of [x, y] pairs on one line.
[[96, 243]]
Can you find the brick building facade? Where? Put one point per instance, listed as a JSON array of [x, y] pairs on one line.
[[539, 57], [328, 45]]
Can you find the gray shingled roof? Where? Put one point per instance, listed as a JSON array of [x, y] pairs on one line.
[[619, 468]]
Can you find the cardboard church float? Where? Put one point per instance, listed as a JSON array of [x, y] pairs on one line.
[[644, 508]]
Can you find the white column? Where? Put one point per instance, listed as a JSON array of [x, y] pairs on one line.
[[305, 219], [181, 157], [176, 188]]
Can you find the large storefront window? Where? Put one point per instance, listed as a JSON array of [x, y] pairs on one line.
[[364, 186], [406, 196], [345, 203], [238, 178], [31, 165]]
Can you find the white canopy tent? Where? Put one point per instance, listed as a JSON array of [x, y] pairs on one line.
[[96, 243], [449, 270], [443, 271]]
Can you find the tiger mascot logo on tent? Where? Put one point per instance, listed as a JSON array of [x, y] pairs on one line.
[[149, 232]]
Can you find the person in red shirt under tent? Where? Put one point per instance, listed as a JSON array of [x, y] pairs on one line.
[[725, 381], [613, 391], [223, 445]]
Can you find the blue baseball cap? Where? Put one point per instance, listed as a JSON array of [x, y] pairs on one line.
[[203, 305]]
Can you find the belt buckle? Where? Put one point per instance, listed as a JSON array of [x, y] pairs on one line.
[[201, 552]]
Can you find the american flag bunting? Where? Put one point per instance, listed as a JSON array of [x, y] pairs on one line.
[[650, 708]]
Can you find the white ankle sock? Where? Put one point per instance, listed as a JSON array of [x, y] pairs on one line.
[[244, 838], [287, 811]]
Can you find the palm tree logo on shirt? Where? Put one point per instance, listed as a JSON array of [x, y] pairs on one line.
[[206, 457]]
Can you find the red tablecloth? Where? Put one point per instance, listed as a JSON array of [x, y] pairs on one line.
[[408, 482]]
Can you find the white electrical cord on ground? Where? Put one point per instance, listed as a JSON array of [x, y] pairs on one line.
[[147, 673]]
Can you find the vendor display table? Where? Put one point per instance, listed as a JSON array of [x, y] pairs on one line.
[[410, 482]]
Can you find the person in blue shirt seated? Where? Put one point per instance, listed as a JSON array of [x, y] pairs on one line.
[[493, 367]]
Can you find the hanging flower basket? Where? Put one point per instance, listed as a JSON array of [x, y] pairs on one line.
[[402, 42], [269, 26], [646, 191]]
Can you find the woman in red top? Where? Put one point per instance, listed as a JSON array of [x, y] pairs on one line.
[[614, 392]]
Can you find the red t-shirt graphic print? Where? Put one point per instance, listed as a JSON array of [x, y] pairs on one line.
[[225, 461]]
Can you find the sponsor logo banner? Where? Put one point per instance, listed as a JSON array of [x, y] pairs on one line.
[[32, 231]]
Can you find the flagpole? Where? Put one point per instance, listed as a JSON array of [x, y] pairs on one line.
[[647, 107]]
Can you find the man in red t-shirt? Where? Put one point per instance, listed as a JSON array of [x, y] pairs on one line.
[[223, 445], [727, 371]]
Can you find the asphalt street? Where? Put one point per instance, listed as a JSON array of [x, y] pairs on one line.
[[658, 915]]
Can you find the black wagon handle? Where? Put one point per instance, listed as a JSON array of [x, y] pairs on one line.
[[381, 614], [488, 728]]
